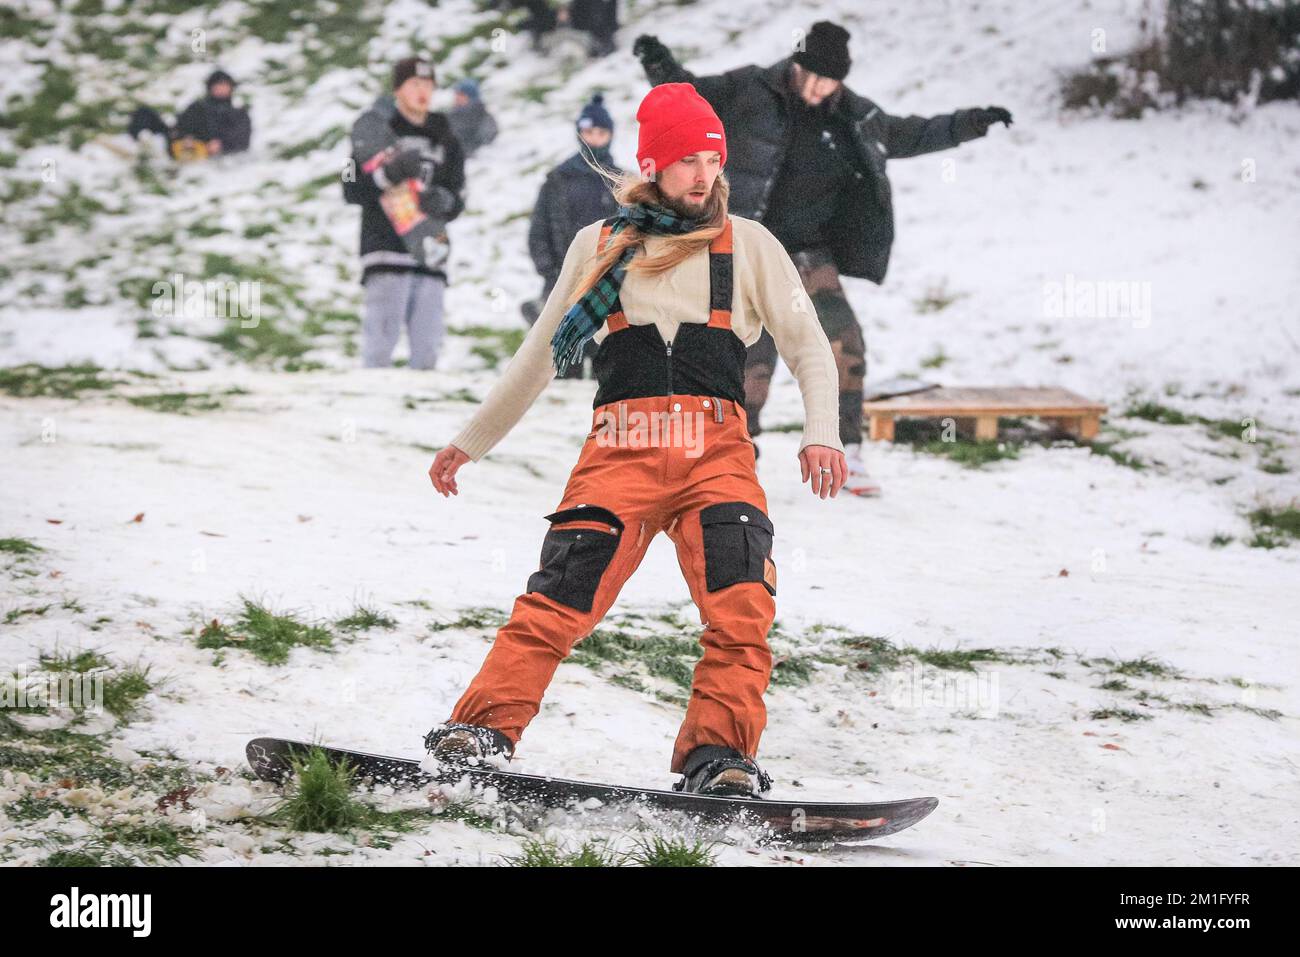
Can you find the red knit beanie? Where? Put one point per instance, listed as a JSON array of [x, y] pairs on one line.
[[675, 122]]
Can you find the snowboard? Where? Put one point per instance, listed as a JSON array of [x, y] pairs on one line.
[[794, 821], [373, 144]]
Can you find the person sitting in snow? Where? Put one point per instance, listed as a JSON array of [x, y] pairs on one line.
[[572, 195], [470, 119], [210, 126]]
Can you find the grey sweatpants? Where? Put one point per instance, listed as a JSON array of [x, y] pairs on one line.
[[397, 299]]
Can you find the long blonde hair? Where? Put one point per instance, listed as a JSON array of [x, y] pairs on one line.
[[629, 189]]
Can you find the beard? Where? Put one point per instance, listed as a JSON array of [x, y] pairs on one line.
[[687, 209]]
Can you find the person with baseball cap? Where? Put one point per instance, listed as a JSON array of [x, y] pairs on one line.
[[672, 288]]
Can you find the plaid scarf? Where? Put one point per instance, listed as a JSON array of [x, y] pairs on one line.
[[588, 314]]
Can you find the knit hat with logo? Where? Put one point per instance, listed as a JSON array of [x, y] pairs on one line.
[[676, 121]]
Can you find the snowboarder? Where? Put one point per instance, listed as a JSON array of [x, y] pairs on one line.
[[809, 163], [673, 288], [572, 195], [470, 120], [403, 289], [210, 126]]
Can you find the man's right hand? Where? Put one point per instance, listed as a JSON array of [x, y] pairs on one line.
[[648, 49], [443, 470], [405, 165]]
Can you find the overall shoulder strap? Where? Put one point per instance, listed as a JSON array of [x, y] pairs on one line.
[[720, 278]]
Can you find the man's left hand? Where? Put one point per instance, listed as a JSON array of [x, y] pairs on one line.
[[826, 467]]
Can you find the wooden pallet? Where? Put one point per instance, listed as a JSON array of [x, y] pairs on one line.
[[1063, 408]]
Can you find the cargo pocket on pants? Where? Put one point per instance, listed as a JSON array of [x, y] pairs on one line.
[[576, 552], [737, 546]]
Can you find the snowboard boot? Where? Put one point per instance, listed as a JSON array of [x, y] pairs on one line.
[[858, 481], [724, 772], [455, 743]]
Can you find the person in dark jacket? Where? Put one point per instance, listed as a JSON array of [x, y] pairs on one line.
[[215, 120], [400, 291], [599, 20], [808, 161], [572, 196], [209, 126], [470, 120]]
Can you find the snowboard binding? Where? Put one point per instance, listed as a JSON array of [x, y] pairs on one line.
[[457, 743], [725, 772]]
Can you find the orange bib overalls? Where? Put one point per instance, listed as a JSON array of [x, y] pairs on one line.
[[677, 461]]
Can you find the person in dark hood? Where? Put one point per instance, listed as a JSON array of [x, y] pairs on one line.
[[214, 120], [572, 195], [470, 120], [808, 162], [208, 127]]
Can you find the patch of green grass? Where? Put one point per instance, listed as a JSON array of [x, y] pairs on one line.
[[937, 360], [1115, 684], [873, 653], [320, 798], [1155, 412], [124, 689], [1145, 667], [496, 345], [1116, 455], [656, 851], [79, 663], [929, 436], [475, 617], [64, 382], [13, 614], [157, 839], [1275, 526], [539, 853], [1105, 714], [364, 619], [959, 659], [1204, 710], [1269, 714], [1220, 540], [19, 546], [263, 633], [178, 403]]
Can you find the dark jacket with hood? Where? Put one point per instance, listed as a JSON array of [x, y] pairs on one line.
[[572, 196], [755, 105], [216, 119]]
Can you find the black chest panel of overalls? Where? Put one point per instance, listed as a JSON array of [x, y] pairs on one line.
[[634, 362]]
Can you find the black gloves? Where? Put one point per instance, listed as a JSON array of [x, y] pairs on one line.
[[648, 49], [405, 165], [437, 201], [983, 119]]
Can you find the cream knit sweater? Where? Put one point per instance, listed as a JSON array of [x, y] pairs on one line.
[[767, 293]]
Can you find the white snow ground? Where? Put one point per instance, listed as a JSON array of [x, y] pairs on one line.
[[308, 490]]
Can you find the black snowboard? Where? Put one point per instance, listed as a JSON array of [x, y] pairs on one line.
[[783, 820]]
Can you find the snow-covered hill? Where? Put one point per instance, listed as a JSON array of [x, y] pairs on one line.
[[1085, 653]]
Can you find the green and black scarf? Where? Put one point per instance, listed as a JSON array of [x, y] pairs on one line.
[[588, 314]]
